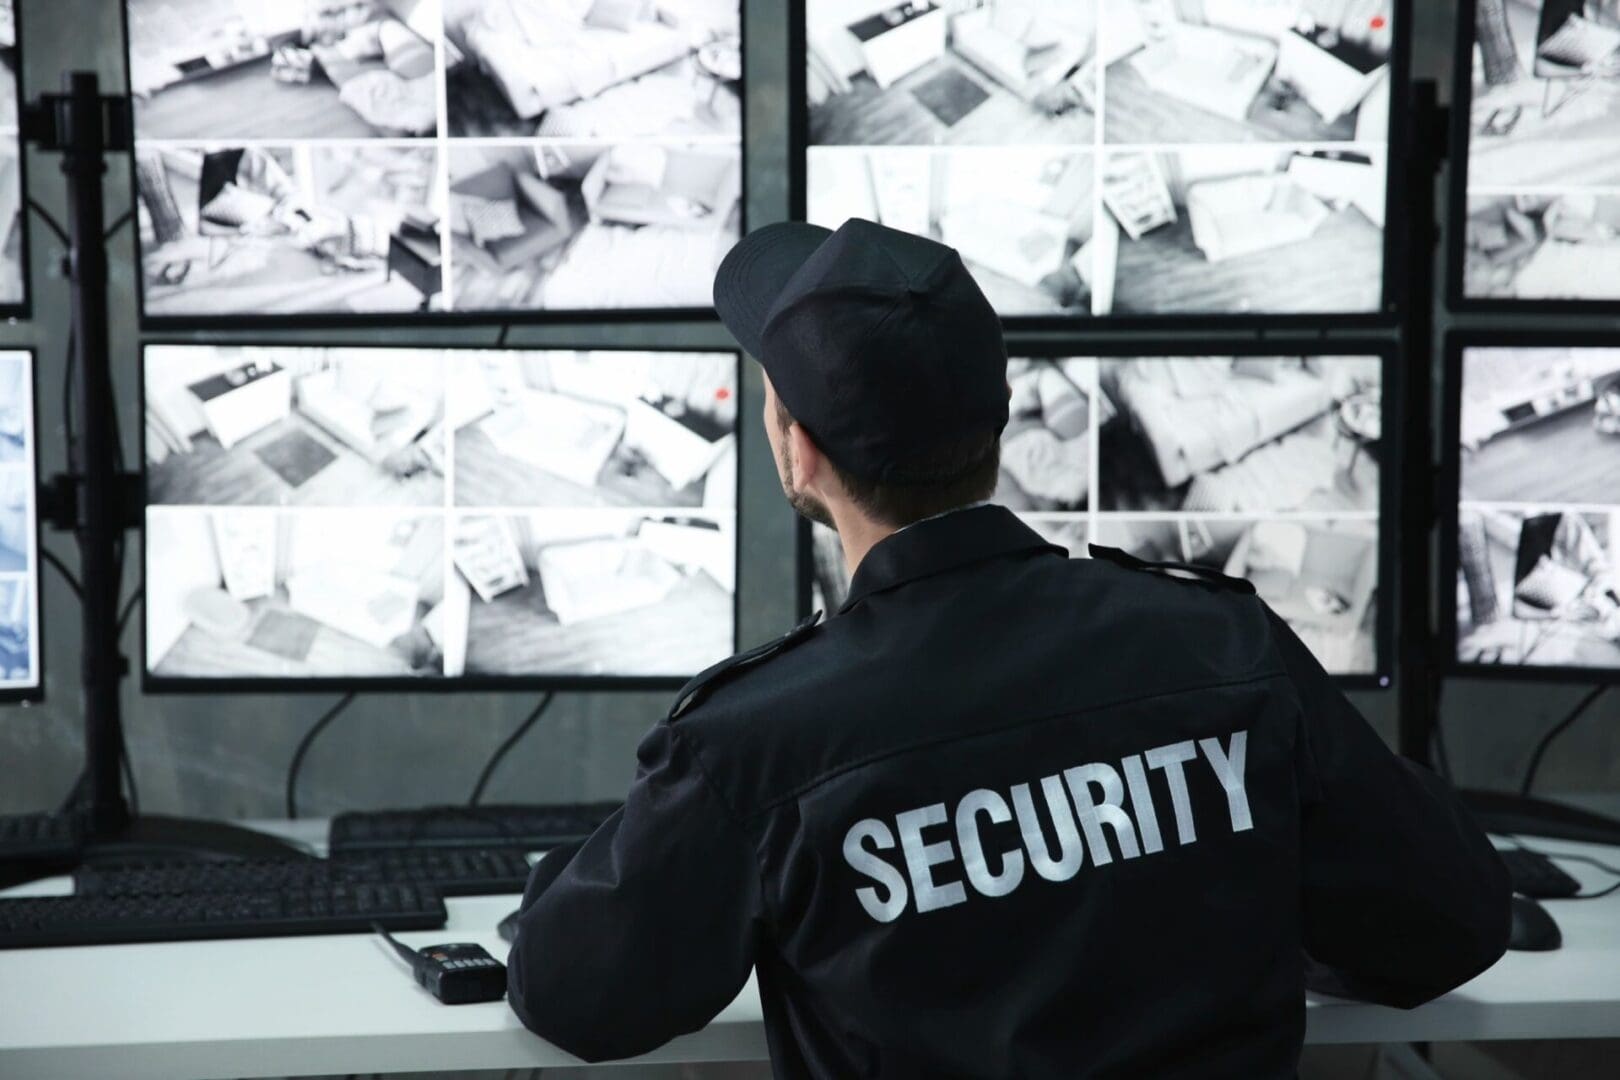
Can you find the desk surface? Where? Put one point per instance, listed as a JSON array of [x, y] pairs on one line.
[[344, 1004]]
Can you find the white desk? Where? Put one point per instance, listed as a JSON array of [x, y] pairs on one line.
[[336, 1005]]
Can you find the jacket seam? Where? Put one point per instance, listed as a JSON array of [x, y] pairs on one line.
[[940, 740], [739, 822]]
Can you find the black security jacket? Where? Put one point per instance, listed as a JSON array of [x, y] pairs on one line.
[[1010, 815]]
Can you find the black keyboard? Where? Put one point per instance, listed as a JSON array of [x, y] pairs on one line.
[[38, 836], [1536, 876], [529, 828], [453, 872], [112, 920]]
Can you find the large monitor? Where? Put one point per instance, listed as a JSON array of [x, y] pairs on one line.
[[1533, 539], [375, 159], [20, 678], [360, 517], [1536, 170], [1272, 468], [1137, 159], [13, 197]]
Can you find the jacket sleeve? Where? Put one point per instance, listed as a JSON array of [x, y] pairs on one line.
[[1404, 897], [648, 929]]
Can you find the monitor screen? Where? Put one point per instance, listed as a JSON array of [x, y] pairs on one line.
[[19, 532], [350, 515], [13, 215], [1538, 166], [350, 161], [1128, 158], [1536, 541], [1269, 468]]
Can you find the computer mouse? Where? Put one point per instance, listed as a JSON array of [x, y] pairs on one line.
[[507, 928], [1533, 929]]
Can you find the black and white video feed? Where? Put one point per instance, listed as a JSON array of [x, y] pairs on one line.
[[389, 157], [1538, 587], [13, 289], [610, 69], [289, 229], [1240, 230], [205, 70], [1538, 544], [596, 429], [1047, 450], [1022, 219], [1544, 151], [1233, 71], [921, 73], [295, 426], [593, 592], [1242, 435], [300, 520], [251, 593], [1320, 574], [1542, 246], [1545, 108], [19, 568], [591, 225], [1114, 157]]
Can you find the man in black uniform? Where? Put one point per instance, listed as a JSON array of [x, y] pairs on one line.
[[1006, 813]]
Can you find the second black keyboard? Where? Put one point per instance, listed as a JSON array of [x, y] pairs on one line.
[[114, 920], [455, 872]]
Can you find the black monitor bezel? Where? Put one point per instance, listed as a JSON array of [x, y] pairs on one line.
[[1389, 524], [152, 683], [24, 308], [1457, 343], [1397, 245], [36, 693], [1456, 242], [426, 320]]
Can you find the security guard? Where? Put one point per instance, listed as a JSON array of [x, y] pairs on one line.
[[1007, 813]]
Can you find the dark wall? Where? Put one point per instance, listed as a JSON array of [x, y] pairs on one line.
[[227, 756]]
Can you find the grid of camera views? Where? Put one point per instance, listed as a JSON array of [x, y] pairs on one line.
[[1543, 181], [1538, 543], [1267, 468], [19, 559], [360, 157], [354, 513], [1114, 157], [13, 290]]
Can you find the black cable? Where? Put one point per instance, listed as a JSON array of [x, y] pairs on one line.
[[129, 779], [1440, 754], [50, 221], [505, 748], [129, 608], [500, 341], [118, 223], [62, 568], [303, 748], [1548, 739]]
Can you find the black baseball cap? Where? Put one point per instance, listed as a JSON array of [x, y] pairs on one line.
[[880, 343]]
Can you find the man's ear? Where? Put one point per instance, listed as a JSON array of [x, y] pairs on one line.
[[808, 464]]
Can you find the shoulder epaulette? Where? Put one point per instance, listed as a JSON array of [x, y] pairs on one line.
[[1200, 575], [694, 691]]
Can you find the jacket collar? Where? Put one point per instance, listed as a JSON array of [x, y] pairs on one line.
[[943, 543]]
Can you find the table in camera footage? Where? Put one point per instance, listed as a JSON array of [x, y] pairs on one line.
[[320, 1006]]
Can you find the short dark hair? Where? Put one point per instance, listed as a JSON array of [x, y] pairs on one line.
[[954, 474]]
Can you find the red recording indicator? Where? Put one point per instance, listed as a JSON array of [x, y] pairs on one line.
[[1378, 22], [722, 394]]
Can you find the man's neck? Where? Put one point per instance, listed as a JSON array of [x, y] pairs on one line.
[[859, 534]]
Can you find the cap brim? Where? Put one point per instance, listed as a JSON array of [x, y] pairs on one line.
[[754, 273]]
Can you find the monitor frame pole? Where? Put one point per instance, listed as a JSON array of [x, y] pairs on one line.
[[98, 501]]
